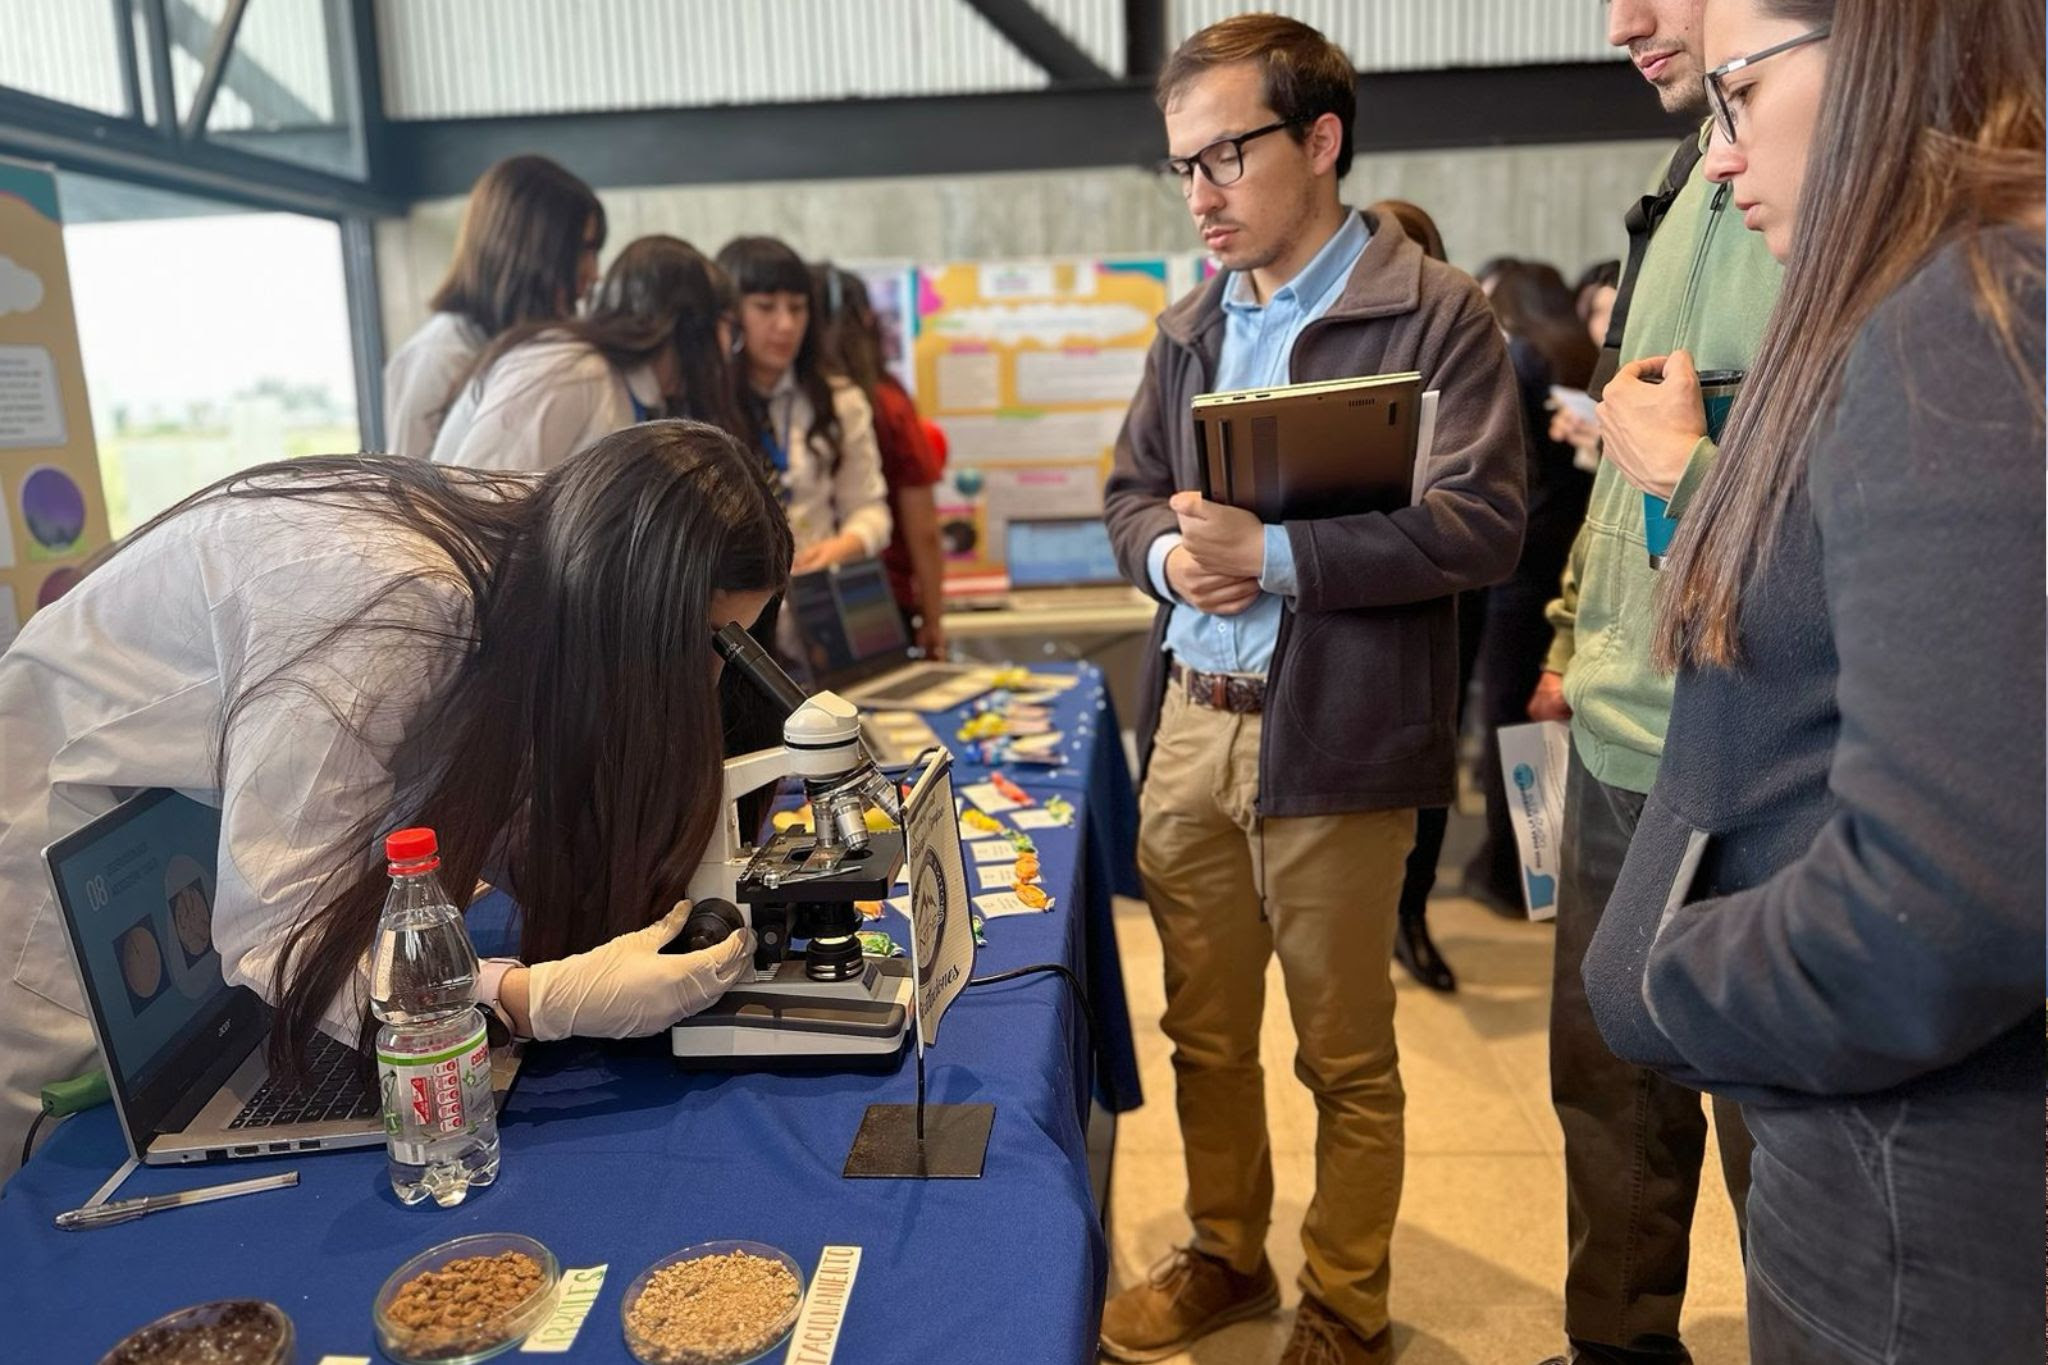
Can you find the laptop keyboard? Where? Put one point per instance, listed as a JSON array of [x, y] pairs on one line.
[[334, 1090]]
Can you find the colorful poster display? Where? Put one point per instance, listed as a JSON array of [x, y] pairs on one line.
[[54, 515], [1029, 366]]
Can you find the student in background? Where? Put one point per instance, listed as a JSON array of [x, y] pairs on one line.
[[654, 344], [1593, 298], [910, 464], [815, 427], [1549, 345], [1414, 949], [1831, 909], [526, 252], [332, 648]]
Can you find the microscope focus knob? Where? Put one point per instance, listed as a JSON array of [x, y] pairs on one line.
[[712, 921]]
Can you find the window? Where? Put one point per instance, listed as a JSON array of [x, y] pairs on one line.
[[65, 50], [214, 339]]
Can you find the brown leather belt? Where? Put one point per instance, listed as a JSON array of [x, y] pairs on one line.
[[1233, 692]]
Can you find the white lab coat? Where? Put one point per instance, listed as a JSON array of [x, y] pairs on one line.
[[420, 378], [822, 504], [541, 403], [123, 684]]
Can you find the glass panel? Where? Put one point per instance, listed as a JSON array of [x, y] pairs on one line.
[[289, 89], [65, 50], [238, 356]]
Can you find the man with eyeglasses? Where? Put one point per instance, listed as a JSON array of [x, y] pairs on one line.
[[1300, 696], [1694, 297]]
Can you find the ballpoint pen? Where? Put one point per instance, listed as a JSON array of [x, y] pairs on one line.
[[121, 1210]]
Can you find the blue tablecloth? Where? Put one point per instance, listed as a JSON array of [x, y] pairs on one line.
[[614, 1156]]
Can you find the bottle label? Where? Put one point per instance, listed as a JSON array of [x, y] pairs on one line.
[[435, 1094]]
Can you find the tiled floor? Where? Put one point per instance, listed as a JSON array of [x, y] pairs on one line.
[[1479, 1253]]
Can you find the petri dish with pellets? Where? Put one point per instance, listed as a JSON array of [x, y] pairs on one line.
[[716, 1303], [466, 1300]]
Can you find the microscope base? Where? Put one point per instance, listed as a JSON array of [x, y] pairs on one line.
[[792, 1019]]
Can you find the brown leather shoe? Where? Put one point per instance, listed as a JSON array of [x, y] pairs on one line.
[[1185, 1297], [1320, 1337]]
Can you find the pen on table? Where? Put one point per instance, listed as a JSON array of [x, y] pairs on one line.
[[121, 1210]]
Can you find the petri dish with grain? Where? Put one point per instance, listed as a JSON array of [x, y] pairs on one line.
[[716, 1303], [466, 1300]]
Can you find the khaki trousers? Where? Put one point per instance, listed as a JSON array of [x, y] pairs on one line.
[[1331, 886]]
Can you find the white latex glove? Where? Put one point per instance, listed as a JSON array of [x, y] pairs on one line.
[[629, 988]]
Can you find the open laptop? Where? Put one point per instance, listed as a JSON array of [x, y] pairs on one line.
[[182, 1048], [1063, 562], [1303, 451], [855, 643]]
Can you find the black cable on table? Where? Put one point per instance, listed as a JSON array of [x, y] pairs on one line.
[[1080, 994]]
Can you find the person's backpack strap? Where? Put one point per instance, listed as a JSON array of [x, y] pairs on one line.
[[1642, 222]]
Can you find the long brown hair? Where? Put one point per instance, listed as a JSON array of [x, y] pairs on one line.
[[517, 251], [661, 294], [575, 747], [767, 265], [852, 332], [1535, 305], [1931, 129]]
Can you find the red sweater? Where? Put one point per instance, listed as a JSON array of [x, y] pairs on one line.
[[908, 461]]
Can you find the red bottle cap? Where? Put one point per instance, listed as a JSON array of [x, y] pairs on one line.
[[410, 845]]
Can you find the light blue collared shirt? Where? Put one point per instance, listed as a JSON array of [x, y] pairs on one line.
[[1258, 341]]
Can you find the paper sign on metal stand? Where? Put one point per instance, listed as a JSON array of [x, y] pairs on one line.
[[930, 1141]]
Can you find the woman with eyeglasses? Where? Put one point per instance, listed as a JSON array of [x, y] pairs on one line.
[[1832, 909], [813, 425], [526, 252], [654, 344]]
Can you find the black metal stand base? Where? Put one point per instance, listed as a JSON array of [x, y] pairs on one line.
[[954, 1145]]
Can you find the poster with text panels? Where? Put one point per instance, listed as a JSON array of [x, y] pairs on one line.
[[1029, 366], [54, 516]]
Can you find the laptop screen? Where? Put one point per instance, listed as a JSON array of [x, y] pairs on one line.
[[137, 890], [848, 618], [1065, 553]]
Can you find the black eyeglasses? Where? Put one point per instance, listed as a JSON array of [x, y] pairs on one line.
[[1717, 89], [1221, 161]]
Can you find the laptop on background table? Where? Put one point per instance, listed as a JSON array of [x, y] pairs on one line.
[[184, 1051], [1063, 563], [855, 643]]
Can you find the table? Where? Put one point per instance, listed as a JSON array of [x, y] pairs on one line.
[[613, 1156]]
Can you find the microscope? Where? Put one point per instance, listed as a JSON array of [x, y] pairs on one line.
[[824, 1002]]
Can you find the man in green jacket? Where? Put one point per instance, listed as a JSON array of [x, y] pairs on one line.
[[1634, 1142]]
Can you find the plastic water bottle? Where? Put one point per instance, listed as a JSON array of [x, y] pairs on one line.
[[433, 1061]]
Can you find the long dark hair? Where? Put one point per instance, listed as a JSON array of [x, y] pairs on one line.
[[1931, 130], [576, 741], [661, 294], [1536, 306], [852, 341], [517, 251], [765, 265]]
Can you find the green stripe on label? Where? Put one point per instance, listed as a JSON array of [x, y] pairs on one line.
[[460, 1050]]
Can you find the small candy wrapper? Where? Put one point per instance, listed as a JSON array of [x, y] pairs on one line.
[[980, 927], [875, 943]]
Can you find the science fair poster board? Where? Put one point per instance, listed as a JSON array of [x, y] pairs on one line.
[[1029, 367], [54, 515]]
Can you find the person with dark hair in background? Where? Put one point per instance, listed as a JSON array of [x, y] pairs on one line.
[[910, 464], [1414, 949], [1489, 271], [1549, 345], [332, 648], [526, 253], [1593, 298], [815, 427], [1299, 698], [654, 344], [1831, 909]]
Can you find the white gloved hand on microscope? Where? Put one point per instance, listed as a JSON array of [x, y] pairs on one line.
[[629, 988]]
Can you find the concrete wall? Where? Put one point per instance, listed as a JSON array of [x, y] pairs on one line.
[[1562, 204]]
